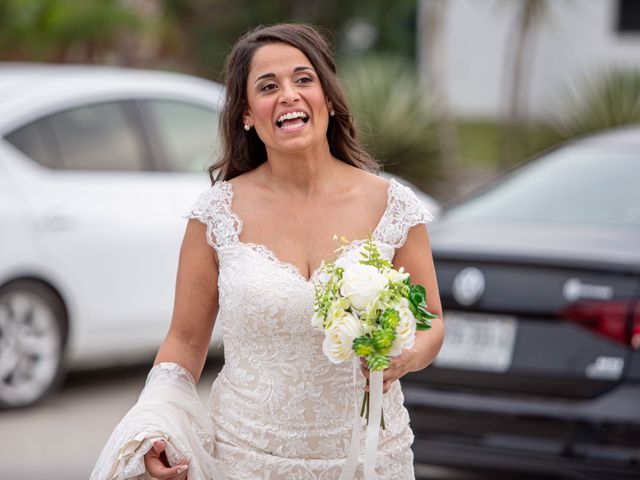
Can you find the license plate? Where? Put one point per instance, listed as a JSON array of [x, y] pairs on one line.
[[477, 342]]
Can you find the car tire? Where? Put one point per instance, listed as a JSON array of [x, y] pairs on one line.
[[33, 330]]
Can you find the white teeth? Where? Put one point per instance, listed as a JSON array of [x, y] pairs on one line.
[[291, 116], [289, 127]]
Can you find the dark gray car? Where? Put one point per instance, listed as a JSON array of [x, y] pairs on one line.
[[539, 276]]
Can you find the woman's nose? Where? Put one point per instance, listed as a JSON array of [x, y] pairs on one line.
[[289, 93]]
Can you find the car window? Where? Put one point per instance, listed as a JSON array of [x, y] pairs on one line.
[[35, 141], [571, 185], [98, 137], [188, 132]]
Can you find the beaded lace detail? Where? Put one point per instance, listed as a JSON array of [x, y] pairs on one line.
[[213, 208], [404, 211], [264, 251], [168, 372]]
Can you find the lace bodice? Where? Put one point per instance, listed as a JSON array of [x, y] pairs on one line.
[[278, 403], [213, 208]]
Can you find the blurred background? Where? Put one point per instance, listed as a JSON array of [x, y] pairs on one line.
[[448, 94], [478, 85]]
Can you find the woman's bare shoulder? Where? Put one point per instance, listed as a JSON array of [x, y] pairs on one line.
[[369, 185], [248, 182], [364, 192]]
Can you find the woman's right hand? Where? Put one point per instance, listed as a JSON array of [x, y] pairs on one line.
[[156, 463]]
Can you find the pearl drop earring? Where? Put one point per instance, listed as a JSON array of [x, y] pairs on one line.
[[247, 127], [332, 112]]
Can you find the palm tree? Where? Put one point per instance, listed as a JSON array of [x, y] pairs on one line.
[[599, 101], [391, 110], [432, 19], [529, 16]]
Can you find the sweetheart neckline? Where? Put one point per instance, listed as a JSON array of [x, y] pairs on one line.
[[265, 252], [289, 266]]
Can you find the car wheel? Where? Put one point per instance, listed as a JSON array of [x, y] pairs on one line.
[[33, 330]]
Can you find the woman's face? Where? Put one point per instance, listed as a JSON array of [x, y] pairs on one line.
[[286, 103]]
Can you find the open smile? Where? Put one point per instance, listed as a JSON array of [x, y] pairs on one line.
[[292, 120]]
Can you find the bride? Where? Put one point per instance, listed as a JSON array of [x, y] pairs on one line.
[[291, 176]]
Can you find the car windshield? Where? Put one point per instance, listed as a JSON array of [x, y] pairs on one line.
[[574, 185]]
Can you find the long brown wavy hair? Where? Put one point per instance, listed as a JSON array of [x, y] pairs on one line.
[[243, 151]]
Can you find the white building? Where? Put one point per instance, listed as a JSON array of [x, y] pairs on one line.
[[575, 38]]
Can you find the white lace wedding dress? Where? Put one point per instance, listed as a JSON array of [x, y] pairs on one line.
[[279, 409]]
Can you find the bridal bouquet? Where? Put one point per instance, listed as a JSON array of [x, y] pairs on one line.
[[368, 309]]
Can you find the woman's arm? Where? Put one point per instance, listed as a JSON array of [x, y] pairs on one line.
[[196, 303], [187, 342], [415, 256]]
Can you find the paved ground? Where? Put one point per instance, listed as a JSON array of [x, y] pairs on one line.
[[61, 438]]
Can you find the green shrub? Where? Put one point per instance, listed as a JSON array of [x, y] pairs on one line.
[[601, 101], [391, 112]]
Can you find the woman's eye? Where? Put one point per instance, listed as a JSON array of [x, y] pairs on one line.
[[267, 87], [304, 80]]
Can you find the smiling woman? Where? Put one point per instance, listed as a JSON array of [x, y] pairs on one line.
[[243, 152], [286, 106], [291, 176]]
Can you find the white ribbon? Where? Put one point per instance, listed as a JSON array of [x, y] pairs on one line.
[[373, 429], [350, 466]]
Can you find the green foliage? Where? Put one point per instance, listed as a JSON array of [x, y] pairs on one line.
[[211, 27], [190, 35], [383, 340], [478, 145], [371, 255], [390, 319], [326, 295], [418, 305], [48, 29], [363, 346], [394, 292], [378, 362], [601, 101], [391, 111]]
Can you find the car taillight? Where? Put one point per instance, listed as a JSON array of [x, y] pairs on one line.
[[635, 328], [606, 318]]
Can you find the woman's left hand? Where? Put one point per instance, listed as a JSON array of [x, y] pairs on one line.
[[398, 367]]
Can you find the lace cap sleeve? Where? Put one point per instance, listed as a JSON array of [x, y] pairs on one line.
[[404, 210], [213, 208]]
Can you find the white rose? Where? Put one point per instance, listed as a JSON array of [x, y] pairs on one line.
[[361, 284], [343, 328], [396, 276], [343, 260], [405, 331]]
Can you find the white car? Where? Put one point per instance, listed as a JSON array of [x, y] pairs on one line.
[[97, 168]]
